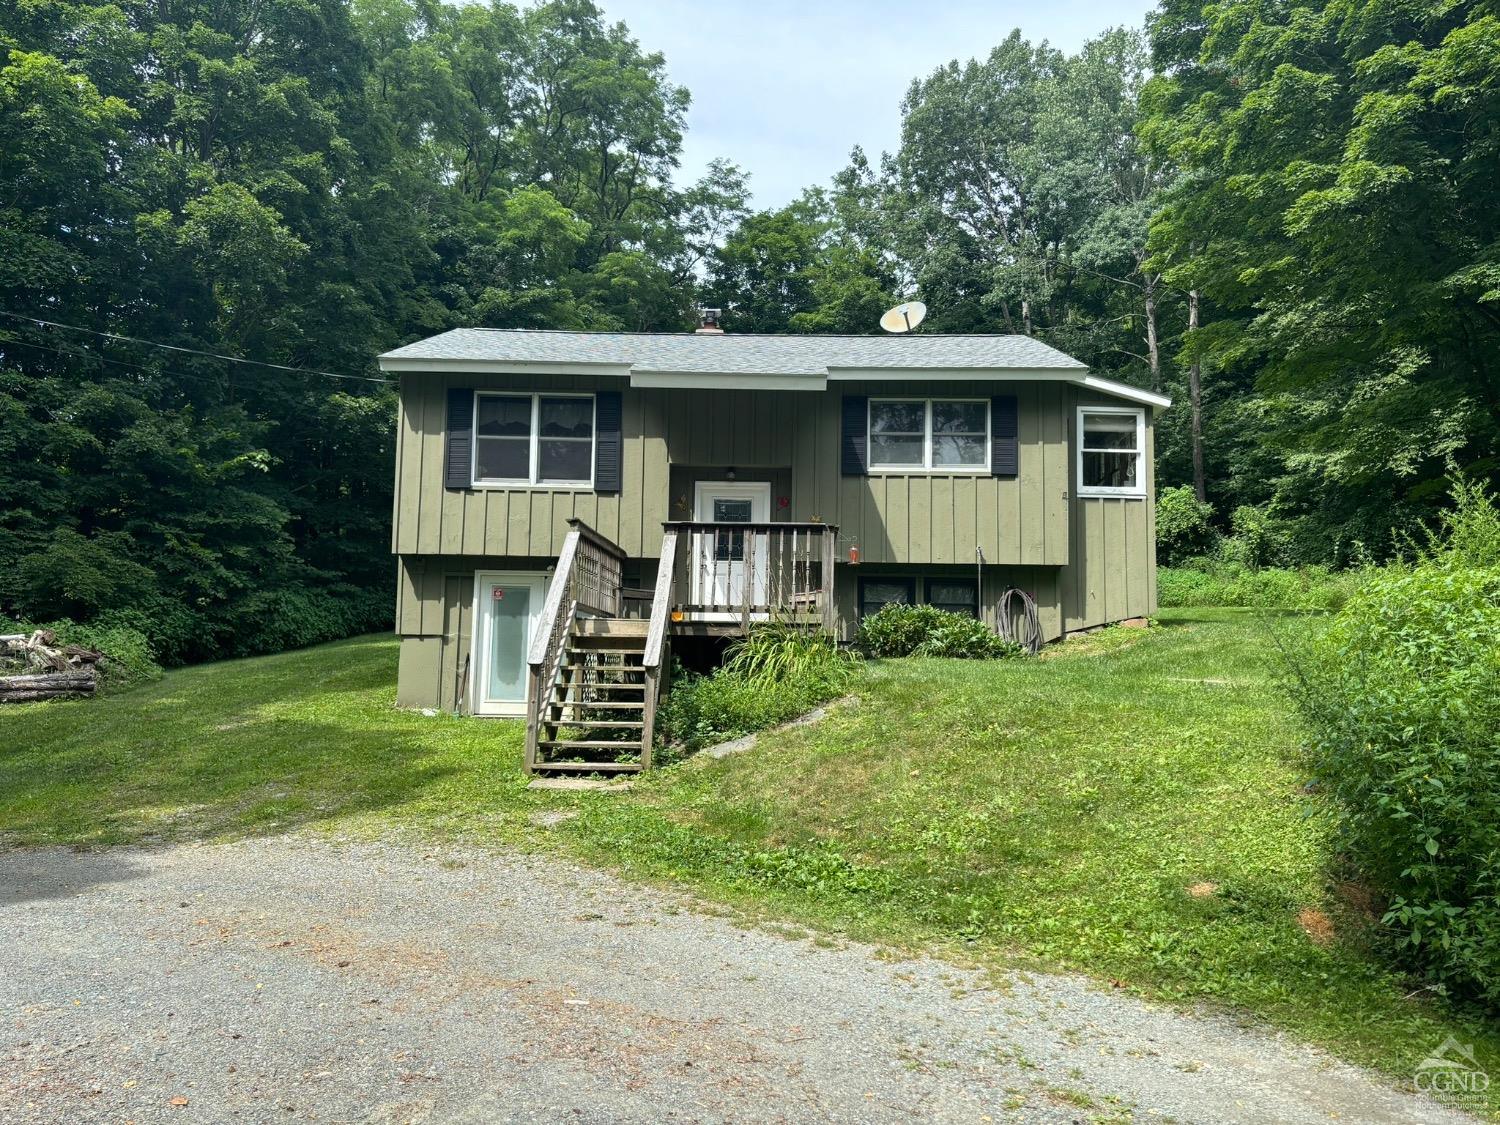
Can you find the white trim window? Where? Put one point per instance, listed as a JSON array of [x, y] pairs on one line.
[[929, 435], [535, 440], [1111, 451]]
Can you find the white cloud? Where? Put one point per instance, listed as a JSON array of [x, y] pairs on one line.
[[786, 89]]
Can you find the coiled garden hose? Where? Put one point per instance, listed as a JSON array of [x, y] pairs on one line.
[[1027, 631]]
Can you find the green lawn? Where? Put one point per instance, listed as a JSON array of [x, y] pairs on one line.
[[1053, 812]]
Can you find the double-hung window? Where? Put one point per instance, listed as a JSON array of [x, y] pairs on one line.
[[534, 439], [1111, 451], [933, 435]]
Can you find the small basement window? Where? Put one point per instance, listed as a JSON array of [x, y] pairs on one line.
[[877, 593], [534, 440], [955, 595], [1111, 451], [929, 435]]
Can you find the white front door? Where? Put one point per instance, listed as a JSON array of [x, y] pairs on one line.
[[507, 609], [724, 555]]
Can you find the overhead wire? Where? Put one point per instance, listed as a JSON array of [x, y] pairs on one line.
[[193, 351]]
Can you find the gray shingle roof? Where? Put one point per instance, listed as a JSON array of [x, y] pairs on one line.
[[737, 354]]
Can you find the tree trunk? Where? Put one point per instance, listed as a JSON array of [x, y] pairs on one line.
[[1195, 398], [1026, 315], [1153, 346]]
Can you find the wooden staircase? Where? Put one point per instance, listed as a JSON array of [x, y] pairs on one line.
[[599, 716], [596, 676]]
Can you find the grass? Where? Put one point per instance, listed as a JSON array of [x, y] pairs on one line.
[[1127, 806]]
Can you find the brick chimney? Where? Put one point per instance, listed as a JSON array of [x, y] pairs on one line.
[[708, 322]]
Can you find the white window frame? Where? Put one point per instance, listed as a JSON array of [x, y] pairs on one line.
[[535, 453], [1139, 414], [927, 466]]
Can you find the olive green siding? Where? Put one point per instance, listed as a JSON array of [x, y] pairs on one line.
[[1086, 560], [672, 437]]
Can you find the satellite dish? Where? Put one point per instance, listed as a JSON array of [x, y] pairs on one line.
[[904, 317]]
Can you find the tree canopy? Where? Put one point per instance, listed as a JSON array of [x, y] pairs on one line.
[[1282, 213]]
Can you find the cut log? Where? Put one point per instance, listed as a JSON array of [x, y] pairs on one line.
[[57, 680], [48, 685]]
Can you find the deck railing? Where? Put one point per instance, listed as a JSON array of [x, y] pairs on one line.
[[746, 572], [588, 579]]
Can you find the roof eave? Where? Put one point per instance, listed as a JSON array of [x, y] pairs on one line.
[[1123, 390]]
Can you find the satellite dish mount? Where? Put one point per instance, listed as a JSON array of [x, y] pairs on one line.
[[904, 317]]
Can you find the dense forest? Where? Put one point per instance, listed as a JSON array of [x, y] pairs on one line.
[[214, 216]]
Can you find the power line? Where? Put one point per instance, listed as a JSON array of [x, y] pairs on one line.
[[195, 351]]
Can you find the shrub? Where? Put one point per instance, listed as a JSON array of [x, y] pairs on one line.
[[1213, 582], [924, 630], [1183, 529], [699, 711], [1403, 716], [1258, 540]]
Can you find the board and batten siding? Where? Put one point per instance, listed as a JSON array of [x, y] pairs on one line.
[[793, 435]]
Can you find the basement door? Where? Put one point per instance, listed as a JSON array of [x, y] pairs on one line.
[[507, 613], [724, 555]]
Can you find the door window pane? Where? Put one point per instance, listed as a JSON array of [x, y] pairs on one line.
[[502, 459], [510, 618], [729, 546], [727, 510]]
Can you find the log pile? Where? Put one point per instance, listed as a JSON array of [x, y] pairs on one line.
[[44, 669]]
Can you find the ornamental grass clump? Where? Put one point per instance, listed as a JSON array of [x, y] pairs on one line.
[[1400, 700], [775, 673]]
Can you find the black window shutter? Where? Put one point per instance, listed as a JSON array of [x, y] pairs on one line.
[[854, 456], [609, 448], [458, 451], [1004, 454]]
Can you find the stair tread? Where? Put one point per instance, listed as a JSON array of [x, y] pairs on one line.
[[615, 704], [601, 723], [588, 744], [592, 767], [613, 627]]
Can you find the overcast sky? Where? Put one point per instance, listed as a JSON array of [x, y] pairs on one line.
[[785, 89]]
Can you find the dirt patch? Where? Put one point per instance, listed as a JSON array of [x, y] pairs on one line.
[[1202, 890], [1316, 925]]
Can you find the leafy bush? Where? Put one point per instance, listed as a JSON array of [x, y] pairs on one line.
[[128, 654], [1400, 702], [1257, 540], [1183, 530], [1212, 582], [924, 630], [775, 673]]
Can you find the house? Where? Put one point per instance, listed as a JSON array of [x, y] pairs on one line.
[[568, 502]]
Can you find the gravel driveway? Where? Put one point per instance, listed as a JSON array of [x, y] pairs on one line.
[[294, 979]]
